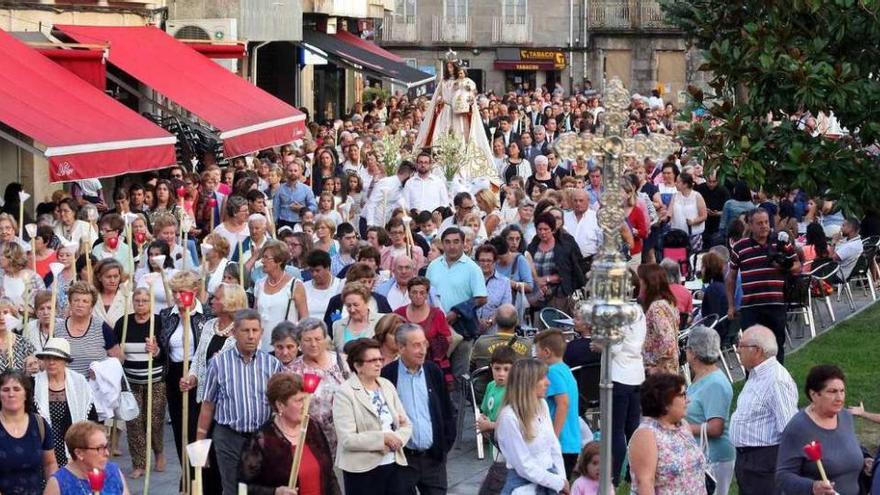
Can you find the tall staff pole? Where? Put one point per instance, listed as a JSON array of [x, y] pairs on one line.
[[187, 299], [149, 411]]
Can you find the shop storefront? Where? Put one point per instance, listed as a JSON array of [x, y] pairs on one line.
[[526, 69]]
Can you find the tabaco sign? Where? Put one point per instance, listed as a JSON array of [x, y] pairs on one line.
[[554, 56]]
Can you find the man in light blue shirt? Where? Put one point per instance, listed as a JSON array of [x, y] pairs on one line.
[[457, 279], [292, 196], [423, 393]]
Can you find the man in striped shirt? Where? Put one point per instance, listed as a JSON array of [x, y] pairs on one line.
[[235, 395], [764, 407], [764, 263]]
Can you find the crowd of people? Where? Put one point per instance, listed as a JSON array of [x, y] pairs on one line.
[[220, 288]]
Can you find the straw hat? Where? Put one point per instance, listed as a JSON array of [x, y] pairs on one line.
[[57, 348]]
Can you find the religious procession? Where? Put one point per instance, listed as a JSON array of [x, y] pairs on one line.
[[444, 288]]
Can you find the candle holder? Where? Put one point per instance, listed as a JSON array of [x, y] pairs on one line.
[[22, 197], [96, 478], [310, 385], [198, 457], [56, 269]]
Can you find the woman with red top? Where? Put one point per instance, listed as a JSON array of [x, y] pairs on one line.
[[267, 456], [44, 255], [637, 219], [432, 319]]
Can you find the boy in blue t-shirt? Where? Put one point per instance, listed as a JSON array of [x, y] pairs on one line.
[[562, 395]]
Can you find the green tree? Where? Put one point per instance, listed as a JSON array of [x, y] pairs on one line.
[[782, 57]]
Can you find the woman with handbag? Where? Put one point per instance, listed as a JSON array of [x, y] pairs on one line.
[[136, 371], [708, 409], [278, 296], [664, 458]]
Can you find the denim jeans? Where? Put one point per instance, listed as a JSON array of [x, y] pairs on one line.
[[626, 411]]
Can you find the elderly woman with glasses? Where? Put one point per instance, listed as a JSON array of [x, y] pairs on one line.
[[320, 358], [278, 296], [664, 458], [709, 398], [89, 451], [372, 426]]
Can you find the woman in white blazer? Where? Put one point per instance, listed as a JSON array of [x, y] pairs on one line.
[[371, 426]]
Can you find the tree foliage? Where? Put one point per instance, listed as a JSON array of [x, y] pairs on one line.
[[782, 57]]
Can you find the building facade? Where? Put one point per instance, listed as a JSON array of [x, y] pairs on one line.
[[511, 44]]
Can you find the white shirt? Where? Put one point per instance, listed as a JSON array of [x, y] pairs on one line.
[[627, 365], [426, 194], [849, 251], [385, 197], [585, 231], [397, 297], [766, 404], [531, 460], [175, 342], [319, 298]]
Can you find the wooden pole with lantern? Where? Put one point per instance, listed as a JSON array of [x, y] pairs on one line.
[[31, 230], [22, 197], [310, 385], [187, 298]]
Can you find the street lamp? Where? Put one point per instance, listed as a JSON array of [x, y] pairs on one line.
[[609, 309]]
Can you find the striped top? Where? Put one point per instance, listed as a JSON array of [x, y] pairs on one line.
[[764, 407], [238, 389], [134, 347], [90, 347], [762, 283]]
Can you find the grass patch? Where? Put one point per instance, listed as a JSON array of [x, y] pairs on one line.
[[854, 345]]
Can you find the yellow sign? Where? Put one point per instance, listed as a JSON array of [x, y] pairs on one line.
[[527, 67], [540, 55]]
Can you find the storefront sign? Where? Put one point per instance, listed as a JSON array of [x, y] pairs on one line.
[[530, 60]]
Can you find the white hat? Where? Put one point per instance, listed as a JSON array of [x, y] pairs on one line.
[[56, 347]]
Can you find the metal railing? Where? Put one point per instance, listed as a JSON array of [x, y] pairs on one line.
[[400, 28], [454, 29], [512, 29], [626, 15]]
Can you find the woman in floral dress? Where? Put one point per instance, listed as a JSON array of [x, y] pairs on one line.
[[661, 342]]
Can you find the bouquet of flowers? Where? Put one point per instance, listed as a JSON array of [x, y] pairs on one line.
[[390, 153], [452, 154]]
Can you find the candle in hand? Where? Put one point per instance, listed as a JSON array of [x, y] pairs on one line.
[[813, 450], [96, 480]]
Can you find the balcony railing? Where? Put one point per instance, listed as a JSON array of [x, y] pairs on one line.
[[400, 29], [512, 30], [451, 30], [626, 15]]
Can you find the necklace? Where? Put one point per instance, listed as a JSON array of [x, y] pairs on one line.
[[225, 331], [291, 437], [272, 284]]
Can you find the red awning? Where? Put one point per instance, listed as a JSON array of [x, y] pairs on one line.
[[219, 50], [248, 118], [87, 64], [369, 46], [87, 134]]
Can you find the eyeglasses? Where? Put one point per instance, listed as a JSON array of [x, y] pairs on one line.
[[746, 346], [99, 448]]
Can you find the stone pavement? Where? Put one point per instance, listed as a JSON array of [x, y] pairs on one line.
[[465, 472]]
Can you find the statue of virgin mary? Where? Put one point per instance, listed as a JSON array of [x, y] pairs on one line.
[[453, 108]]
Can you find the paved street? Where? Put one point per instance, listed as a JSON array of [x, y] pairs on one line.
[[465, 471]]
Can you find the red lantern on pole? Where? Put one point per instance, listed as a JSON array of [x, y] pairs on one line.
[[181, 192], [112, 243], [187, 297], [140, 237], [96, 480], [311, 382], [813, 450]]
